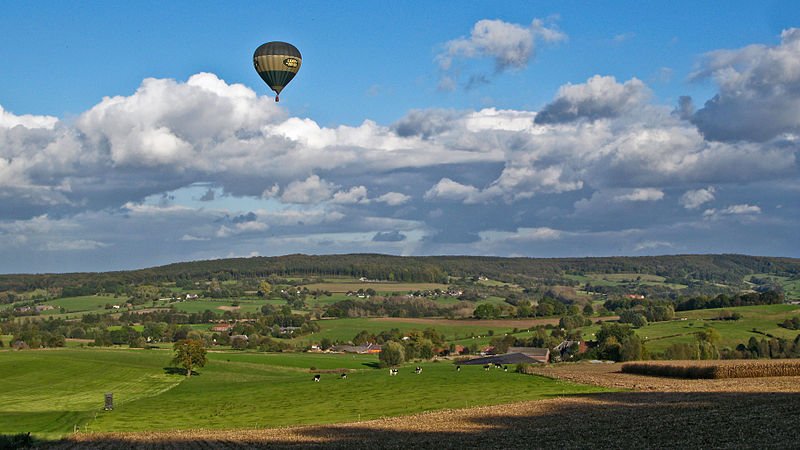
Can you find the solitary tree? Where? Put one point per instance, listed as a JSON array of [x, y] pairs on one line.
[[189, 353], [392, 354]]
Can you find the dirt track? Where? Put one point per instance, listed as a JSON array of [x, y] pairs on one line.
[[660, 413]]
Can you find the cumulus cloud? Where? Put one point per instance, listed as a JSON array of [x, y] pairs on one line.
[[447, 189], [693, 199], [759, 91], [9, 120], [311, 190], [511, 46], [393, 198], [640, 195], [600, 97], [356, 194]]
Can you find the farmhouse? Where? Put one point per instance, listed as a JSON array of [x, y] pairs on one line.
[[564, 348]]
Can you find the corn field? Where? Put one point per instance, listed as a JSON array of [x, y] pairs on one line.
[[716, 370]]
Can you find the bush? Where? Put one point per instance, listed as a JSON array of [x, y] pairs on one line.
[[523, 368], [21, 440]]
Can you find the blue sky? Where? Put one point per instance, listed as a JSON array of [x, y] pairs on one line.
[[137, 133]]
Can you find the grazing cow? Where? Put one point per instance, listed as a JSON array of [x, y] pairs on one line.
[[487, 367], [343, 376], [505, 368], [392, 372], [498, 366], [458, 368], [418, 370], [316, 378]]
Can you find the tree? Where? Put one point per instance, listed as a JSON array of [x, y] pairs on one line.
[[392, 354], [486, 311], [189, 353], [264, 288], [325, 343]]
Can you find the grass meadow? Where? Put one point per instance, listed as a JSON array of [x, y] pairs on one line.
[[763, 318], [51, 392]]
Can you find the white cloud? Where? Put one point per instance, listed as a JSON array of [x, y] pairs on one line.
[[80, 244], [393, 198], [312, 190], [241, 228], [693, 199], [600, 97], [759, 91], [521, 234], [509, 45], [650, 245], [733, 210], [9, 120], [641, 195], [447, 189], [356, 194]]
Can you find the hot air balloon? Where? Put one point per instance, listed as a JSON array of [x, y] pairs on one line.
[[277, 63]]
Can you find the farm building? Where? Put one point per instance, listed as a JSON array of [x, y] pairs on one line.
[[361, 349], [515, 355]]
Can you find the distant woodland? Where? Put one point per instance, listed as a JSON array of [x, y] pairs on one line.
[[689, 270]]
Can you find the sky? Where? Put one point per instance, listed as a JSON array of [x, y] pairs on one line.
[[135, 134]]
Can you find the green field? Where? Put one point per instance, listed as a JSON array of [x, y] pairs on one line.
[[219, 305], [380, 287], [51, 392], [764, 318], [343, 330], [87, 303], [623, 279]]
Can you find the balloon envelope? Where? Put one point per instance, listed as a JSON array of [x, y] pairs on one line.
[[277, 63]]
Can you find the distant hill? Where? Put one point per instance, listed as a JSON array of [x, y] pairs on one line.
[[684, 269]]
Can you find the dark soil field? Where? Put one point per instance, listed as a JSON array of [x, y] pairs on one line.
[[656, 413]]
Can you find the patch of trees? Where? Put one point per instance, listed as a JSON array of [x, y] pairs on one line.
[[791, 324], [775, 348], [728, 301], [616, 342], [703, 347], [727, 315]]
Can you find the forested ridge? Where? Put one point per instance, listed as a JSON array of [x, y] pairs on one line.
[[726, 268]]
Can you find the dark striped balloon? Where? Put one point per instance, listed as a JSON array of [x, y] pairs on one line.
[[277, 63]]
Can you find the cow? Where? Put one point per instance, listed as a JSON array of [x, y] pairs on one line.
[[316, 378], [487, 367], [392, 372], [505, 368], [498, 366], [418, 370], [343, 376], [458, 368]]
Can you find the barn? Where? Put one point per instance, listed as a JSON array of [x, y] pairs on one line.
[[515, 355]]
